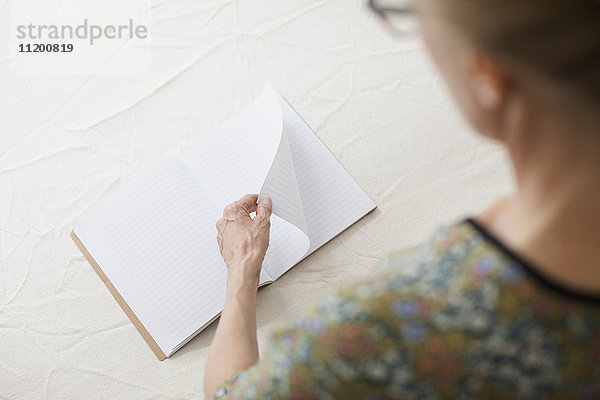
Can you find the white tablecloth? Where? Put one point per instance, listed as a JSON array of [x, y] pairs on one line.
[[68, 141]]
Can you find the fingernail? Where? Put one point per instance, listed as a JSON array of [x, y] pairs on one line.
[[268, 201]]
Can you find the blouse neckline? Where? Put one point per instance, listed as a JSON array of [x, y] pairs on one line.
[[531, 268]]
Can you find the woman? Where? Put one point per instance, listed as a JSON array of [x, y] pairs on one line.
[[506, 305]]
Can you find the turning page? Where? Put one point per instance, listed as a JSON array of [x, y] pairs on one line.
[[270, 147], [239, 158], [330, 198], [281, 186]]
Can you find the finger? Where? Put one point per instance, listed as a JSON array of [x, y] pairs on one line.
[[264, 237], [236, 213], [220, 225], [248, 202], [220, 241], [229, 211], [264, 209], [240, 209]]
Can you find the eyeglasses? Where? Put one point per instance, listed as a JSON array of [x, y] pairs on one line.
[[398, 15]]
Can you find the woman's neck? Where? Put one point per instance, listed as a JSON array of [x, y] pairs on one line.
[[553, 218]]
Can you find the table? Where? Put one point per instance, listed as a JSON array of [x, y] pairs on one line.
[[67, 141]]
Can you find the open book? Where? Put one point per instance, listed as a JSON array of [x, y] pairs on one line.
[[153, 243]]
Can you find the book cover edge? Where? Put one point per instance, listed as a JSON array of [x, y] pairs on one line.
[[120, 300]]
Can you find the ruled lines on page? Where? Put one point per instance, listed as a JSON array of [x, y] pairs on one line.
[[237, 159], [155, 240], [282, 187], [287, 246], [331, 198]]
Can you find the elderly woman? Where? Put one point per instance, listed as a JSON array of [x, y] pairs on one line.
[[502, 305]]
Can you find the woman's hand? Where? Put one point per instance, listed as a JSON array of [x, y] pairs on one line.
[[243, 241]]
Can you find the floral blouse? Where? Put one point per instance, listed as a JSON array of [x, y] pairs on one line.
[[459, 317]]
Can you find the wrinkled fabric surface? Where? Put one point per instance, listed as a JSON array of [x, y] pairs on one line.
[[69, 141]]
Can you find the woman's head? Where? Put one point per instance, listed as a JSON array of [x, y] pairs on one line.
[[490, 49]]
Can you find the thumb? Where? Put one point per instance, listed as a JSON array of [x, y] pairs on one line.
[[264, 209]]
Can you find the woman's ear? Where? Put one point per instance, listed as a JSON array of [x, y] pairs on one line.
[[489, 83]]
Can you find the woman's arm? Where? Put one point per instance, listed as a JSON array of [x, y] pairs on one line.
[[243, 242]]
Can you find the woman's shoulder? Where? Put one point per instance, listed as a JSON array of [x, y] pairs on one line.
[[453, 314], [461, 284], [440, 263], [463, 297]]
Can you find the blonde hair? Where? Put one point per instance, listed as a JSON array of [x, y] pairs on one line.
[[559, 39]]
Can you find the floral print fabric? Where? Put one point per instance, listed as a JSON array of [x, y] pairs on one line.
[[458, 317]]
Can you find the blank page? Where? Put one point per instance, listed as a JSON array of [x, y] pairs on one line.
[[156, 241]]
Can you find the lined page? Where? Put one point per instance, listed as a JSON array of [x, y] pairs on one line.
[[236, 160], [156, 241], [282, 187], [331, 198]]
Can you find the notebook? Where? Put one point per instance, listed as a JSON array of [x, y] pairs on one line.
[[153, 242]]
